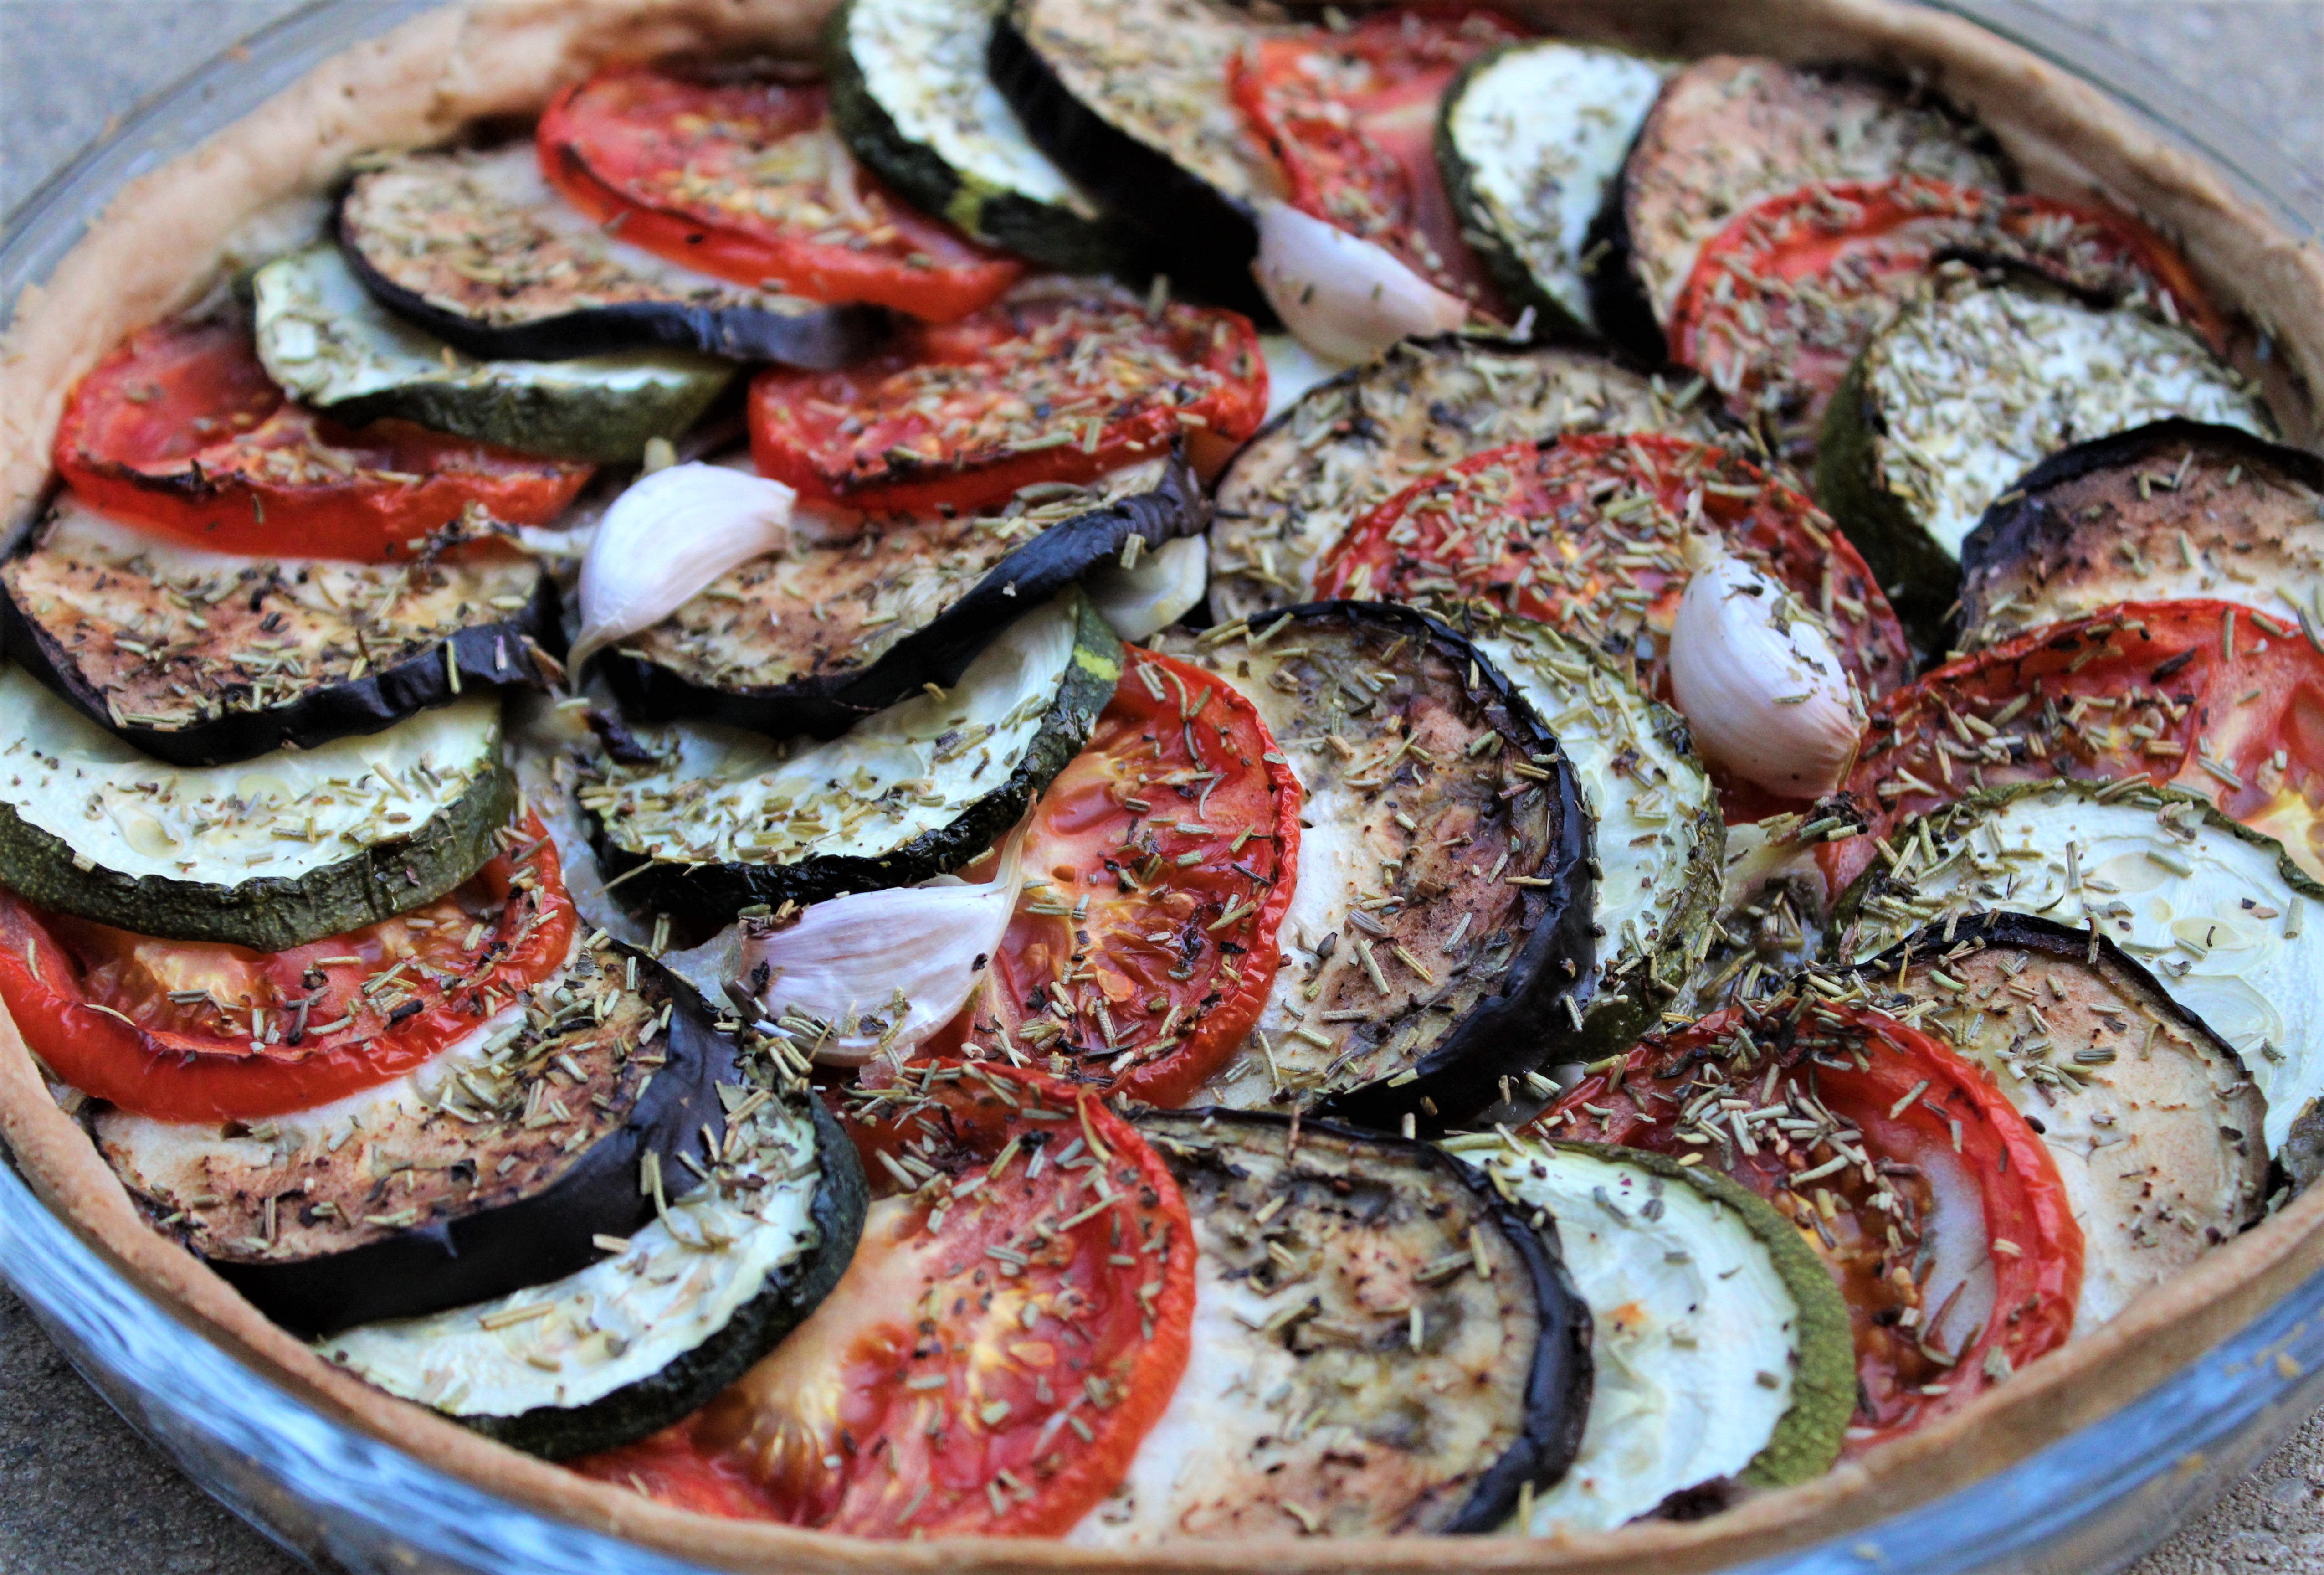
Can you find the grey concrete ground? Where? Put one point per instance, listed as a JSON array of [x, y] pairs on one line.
[[82, 1494]]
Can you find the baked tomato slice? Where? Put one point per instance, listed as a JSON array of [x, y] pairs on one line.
[[1936, 1207], [1159, 865], [1015, 1319], [200, 1031], [1784, 297], [182, 431], [1587, 533], [1064, 380], [748, 182], [1351, 116], [2216, 699]]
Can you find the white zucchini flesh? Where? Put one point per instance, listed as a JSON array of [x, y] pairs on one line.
[[323, 338], [1977, 387], [2230, 939], [1145, 598], [1651, 803], [739, 797], [677, 1284], [1542, 130], [923, 61], [1696, 1333], [226, 825]]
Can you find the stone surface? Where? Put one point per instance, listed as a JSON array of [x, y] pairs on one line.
[[82, 1494]]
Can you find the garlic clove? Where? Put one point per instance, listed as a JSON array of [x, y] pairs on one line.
[[673, 533], [1759, 680], [1345, 299]]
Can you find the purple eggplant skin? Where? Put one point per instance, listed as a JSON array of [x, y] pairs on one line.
[[1520, 1029], [827, 705], [756, 1327], [1563, 1376], [818, 340], [495, 656], [1197, 235], [477, 1257]]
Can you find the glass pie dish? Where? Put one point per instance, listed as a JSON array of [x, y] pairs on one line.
[[2221, 1371]]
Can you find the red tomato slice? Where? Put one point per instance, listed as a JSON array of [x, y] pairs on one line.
[[1172, 843], [1006, 1335], [182, 431], [1932, 1141], [1586, 533], [198, 1031], [1054, 385], [748, 182], [1782, 299], [1351, 119], [2216, 699]]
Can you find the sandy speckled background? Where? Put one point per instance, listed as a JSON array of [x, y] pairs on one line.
[[82, 1494]]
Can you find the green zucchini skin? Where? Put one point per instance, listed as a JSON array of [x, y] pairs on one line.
[[566, 422], [268, 913], [702, 891], [1920, 579], [828, 704], [1048, 232], [756, 1327], [495, 656]]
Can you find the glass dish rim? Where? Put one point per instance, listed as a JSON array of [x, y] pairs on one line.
[[176, 1385]]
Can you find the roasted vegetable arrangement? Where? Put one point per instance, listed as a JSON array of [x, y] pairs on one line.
[[1129, 770]]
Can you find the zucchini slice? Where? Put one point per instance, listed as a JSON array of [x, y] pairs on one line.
[[1357, 440], [1659, 834], [1130, 99], [2151, 1120], [198, 657], [2229, 925], [1355, 1371], [814, 638], [324, 339], [1722, 1346], [1444, 896], [1729, 131], [1531, 141], [269, 853], [912, 95], [2175, 510], [714, 818], [1966, 389], [646, 1336], [459, 1181], [476, 248]]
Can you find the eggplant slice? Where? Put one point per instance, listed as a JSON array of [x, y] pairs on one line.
[[645, 1338], [912, 93], [2172, 510], [269, 853], [1440, 926], [478, 249], [1129, 98], [1358, 439], [489, 1168], [2232, 929], [1723, 1350], [196, 658], [1966, 389], [1381, 1346], [330, 344], [1660, 837], [2151, 1118], [1730, 131], [714, 818], [813, 638]]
